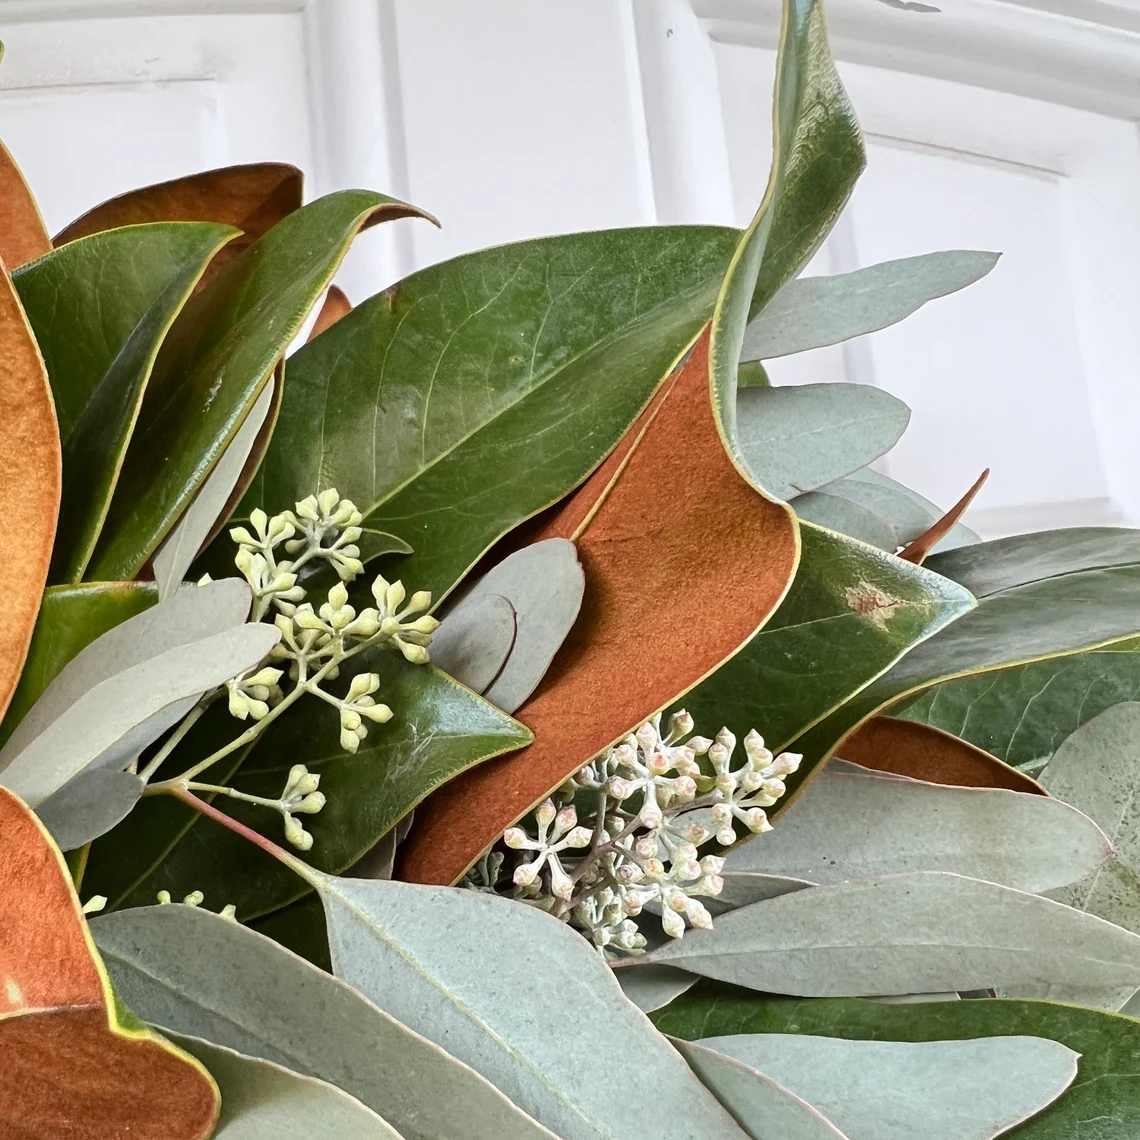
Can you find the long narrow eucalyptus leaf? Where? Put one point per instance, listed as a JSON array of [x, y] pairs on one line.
[[195, 973], [893, 1090], [655, 986], [855, 826], [813, 312], [89, 806], [919, 933]]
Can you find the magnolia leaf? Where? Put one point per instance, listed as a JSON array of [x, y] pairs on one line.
[[29, 473], [544, 583], [752, 374], [1023, 714], [918, 550], [798, 438], [114, 720], [262, 1101], [655, 986], [893, 1090], [758, 1103], [193, 614], [70, 618], [1098, 770], [851, 613], [215, 361], [333, 307], [195, 973], [73, 1064], [1103, 1102], [89, 806], [439, 729], [24, 236], [395, 943], [474, 640], [178, 550], [836, 831], [894, 746], [845, 517], [1039, 595], [911, 933], [253, 198], [101, 309], [813, 312]]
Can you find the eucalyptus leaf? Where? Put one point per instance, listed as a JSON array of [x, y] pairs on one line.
[[100, 308], [215, 361], [544, 584], [1103, 1103], [101, 727], [913, 933], [742, 888], [1039, 596], [655, 986], [191, 615], [813, 312], [852, 826], [180, 547], [88, 806], [197, 974], [474, 640], [798, 438], [761, 1106], [894, 1090], [840, 514], [395, 943], [264, 1101]]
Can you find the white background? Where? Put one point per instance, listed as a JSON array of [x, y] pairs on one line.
[[995, 124]]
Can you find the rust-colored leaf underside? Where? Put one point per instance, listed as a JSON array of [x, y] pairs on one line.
[[924, 753], [30, 483], [335, 306], [69, 1070], [23, 236], [684, 562]]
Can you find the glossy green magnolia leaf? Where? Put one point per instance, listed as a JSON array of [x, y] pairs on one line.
[[813, 312], [797, 438], [195, 973], [396, 943], [439, 729], [70, 618], [100, 308], [850, 825], [263, 1101], [218, 356], [1022, 715], [905, 934], [845, 517], [486, 387], [894, 1090], [655, 986], [89, 806], [1103, 1103], [850, 614], [1039, 596], [474, 640]]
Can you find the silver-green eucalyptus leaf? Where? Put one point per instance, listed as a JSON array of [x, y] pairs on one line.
[[796, 439], [264, 1101], [847, 825], [474, 640], [813, 312], [194, 973], [900, 1090], [763, 1107], [112, 722], [523, 999], [743, 888], [841, 514], [906, 510], [655, 986], [180, 547], [918, 933], [89, 806]]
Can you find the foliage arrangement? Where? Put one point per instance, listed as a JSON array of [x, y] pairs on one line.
[[392, 655]]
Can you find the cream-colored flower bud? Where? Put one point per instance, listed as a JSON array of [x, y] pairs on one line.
[[545, 813], [259, 519], [308, 510], [786, 763], [242, 536], [425, 625], [296, 835], [526, 873], [712, 864], [699, 744], [311, 804], [420, 600], [327, 501], [363, 684], [698, 916], [416, 654], [680, 724], [673, 924], [579, 837], [646, 736], [515, 838], [726, 738], [194, 898], [394, 597], [377, 713], [239, 704], [726, 837], [350, 719], [756, 820]]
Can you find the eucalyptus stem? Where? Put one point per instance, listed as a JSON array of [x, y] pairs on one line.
[[175, 739]]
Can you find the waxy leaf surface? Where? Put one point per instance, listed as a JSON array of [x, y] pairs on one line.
[[23, 237], [474, 641]]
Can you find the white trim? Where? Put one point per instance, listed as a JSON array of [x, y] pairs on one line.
[[42, 11], [1000, 522], [1082, 53]]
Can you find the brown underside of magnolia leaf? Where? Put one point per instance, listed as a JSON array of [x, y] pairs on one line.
[[684, 562], [30, 483], [336, 305], [253, 198], [925, 753], [23, 236], [918, 550], [66, 1075]]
